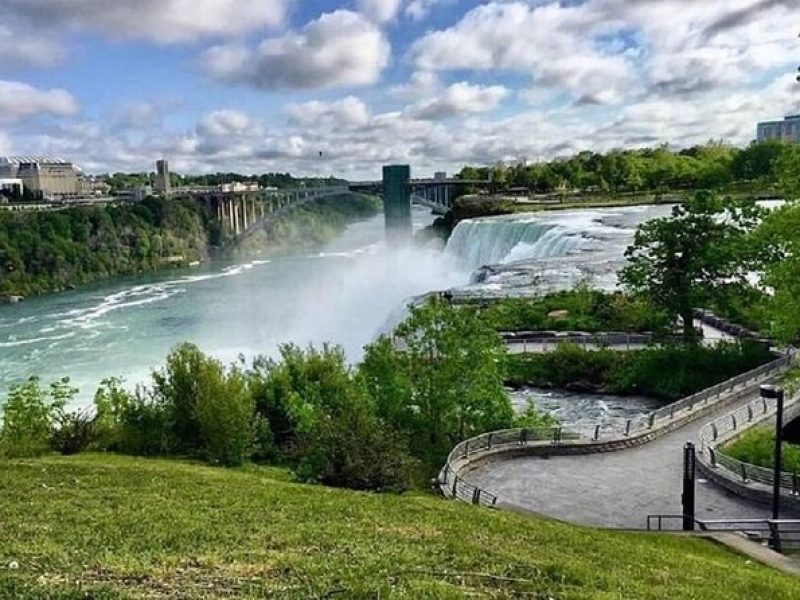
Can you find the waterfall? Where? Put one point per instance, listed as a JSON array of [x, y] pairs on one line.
[[495, 241]]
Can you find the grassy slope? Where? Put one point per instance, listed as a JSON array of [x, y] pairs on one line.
[[121, 527]]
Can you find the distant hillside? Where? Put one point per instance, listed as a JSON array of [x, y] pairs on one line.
[[108, 527], [52, 251]]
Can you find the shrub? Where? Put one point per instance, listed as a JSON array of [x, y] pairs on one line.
[[666, 372], [225, 415], [446, 382], [74, 432], [131, 423], [288, 392], [30, 415], [354, 450], [177, 387]]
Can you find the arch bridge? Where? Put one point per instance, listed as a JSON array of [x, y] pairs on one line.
[[243, 212]]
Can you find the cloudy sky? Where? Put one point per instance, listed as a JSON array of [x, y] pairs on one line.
[[266, 85]]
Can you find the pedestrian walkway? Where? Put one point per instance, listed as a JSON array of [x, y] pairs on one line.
[[615, 489]]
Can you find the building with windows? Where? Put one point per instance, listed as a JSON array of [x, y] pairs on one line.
[[787, 130], [45, 176]]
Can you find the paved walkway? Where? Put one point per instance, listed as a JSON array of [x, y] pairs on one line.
[[616, 489]]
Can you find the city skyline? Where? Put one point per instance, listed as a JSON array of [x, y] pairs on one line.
[[345, 87]]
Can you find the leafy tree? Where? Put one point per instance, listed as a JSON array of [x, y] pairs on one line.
[[441, 380], [30, 414], [787, 170], [679, 263], [225, 415], [781, 233], [132, 423]]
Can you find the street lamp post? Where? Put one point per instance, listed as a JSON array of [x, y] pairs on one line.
[[776, 393]]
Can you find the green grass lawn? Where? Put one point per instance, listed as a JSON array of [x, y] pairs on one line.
[[98, 526]]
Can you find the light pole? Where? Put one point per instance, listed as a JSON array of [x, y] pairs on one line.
[[772, 392]]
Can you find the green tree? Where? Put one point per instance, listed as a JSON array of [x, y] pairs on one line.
[[781, 232], [225, 415], [30, 415], [681, 262], [441, 380]]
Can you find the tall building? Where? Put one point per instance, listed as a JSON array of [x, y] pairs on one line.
[[163, 184], [45, 176], [787, 130]]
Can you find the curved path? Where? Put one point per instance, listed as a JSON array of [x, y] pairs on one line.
[[615, 489]]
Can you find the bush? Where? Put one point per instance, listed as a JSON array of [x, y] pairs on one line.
[[225, 416], [584, 309], [30, 415], [288, 392], [178, 386], [665, 372], [354, 450], [131, 423], [74, 433]]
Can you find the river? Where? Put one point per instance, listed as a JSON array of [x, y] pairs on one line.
[[345, 293]]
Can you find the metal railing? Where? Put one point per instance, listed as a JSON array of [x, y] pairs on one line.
[[730, 426], [583, 340], [458, 487], [454, 485], [780, 534]]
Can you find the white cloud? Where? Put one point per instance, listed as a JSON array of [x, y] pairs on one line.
[[612, 51], [554, 43], [20, 49], [19, 101], [338, 49], [163, 21], [380, 11], [460, 99], [348, 112], [420, 84], [419, 9]]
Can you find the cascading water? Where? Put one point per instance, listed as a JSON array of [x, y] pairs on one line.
[[502, 240]]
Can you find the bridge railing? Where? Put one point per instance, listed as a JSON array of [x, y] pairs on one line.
[[599, 340], [595, 438]]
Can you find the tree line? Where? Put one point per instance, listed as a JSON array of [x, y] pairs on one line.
[[657, 170], [123, 181]]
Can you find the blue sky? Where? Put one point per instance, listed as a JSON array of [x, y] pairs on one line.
[[261, 85]]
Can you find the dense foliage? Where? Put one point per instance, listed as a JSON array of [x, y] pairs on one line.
[[30, 416], [122, 181], [581, 309], [711, 166], [668, 373], [445, 384], [50, 251]]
